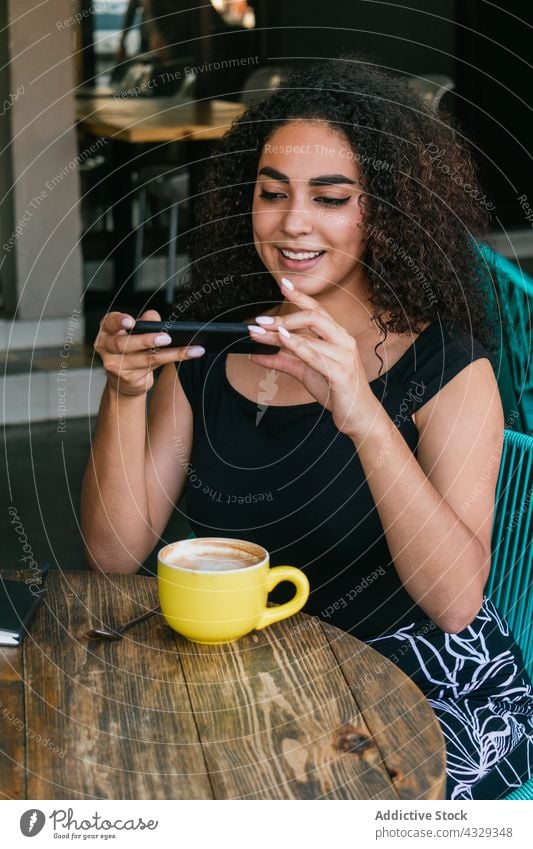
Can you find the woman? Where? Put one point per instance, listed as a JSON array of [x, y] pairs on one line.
[[356, 452]]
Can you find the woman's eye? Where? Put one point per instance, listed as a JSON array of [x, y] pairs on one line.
[[332, 201], [271, 195]]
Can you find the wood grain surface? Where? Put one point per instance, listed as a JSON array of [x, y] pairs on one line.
[[12, 724], [407, 735], [300, 710], [119, 710], [157, 119], [273, 713]]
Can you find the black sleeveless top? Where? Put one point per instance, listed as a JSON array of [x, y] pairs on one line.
[[286, 478]]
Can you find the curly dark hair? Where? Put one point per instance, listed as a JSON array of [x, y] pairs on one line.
[[424, 209]]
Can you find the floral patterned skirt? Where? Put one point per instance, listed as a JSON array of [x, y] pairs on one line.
[[476, 684]]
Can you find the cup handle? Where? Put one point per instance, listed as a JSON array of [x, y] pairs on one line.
[[276, 575]]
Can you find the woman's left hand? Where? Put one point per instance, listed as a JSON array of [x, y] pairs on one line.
[[327, 364]]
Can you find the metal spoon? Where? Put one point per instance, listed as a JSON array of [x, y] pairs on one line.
[[116, 633]]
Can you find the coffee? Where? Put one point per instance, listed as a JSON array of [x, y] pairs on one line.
[[215, 589], [218, 555]]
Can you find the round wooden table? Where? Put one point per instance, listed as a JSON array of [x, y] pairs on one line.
[[300, 710]]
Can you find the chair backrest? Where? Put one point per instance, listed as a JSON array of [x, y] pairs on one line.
[[510, 583], [432, 88], [262, 81], [512, 294]]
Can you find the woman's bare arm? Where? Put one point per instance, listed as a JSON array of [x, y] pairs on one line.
[[437, 507], [133, 479]]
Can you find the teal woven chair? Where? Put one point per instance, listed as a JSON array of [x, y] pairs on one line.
[[510, 584], [510, 292]]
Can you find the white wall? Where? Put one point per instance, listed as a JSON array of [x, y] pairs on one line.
[[41, 271]]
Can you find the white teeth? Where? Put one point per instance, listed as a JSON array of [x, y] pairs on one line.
[[300, 254]]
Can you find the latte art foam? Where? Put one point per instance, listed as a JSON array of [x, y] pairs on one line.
[[213, 556]]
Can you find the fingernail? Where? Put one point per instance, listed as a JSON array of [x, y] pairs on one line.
[[287, 283], [253, 329], [196, 351], [128, 323], [284, 332], [265, 319], [162, 339]]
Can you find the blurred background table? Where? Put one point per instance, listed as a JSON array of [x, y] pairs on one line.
[[156, 119], [137, 128], [300, 710]]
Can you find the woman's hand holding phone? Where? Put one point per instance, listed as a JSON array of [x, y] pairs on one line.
[[130, 360], [323, 356]]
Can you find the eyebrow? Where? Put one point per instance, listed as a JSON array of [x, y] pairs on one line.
[[331, 180], [324, 180]]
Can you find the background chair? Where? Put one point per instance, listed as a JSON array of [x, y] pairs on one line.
[[510, 584], [95, 211], [432, 88], [263, 80], [169, 187], [511, 294], [148, 76]]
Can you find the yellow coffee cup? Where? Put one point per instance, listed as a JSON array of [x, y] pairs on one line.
[[215, 590]]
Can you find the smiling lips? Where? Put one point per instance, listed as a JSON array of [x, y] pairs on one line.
[[299, 259]]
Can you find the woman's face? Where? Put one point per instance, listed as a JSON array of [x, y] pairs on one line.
[[307, 215]]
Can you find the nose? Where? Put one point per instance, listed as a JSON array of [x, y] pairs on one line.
[[296, 220]]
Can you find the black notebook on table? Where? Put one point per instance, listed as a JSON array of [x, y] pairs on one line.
[[19, 602]]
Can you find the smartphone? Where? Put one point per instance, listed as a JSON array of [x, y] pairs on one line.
[[214, 336]]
